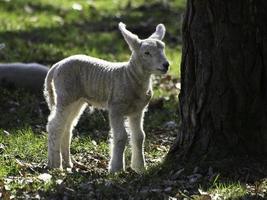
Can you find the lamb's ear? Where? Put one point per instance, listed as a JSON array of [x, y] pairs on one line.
[[132, 40], [159, 33]]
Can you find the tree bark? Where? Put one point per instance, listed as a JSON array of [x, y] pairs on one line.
[[223, 98]]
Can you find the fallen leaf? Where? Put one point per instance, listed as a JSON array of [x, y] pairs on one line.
[[59, 181], [168, 189], [6, 132], [194, 178], [204, 197], [2, 148], [45, 177], [177, 174]]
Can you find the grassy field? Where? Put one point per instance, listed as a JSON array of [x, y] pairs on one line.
[[46, 31]]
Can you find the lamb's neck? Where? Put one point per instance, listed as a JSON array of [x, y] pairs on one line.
[[137, 74]]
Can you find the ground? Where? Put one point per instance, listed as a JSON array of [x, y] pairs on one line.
[[46, 31]]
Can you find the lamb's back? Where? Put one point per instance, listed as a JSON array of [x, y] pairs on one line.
[[88, 61], [96, 78]]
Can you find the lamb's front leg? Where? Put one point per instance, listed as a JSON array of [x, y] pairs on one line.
[[137, 142], [74, 111], [118, 142]]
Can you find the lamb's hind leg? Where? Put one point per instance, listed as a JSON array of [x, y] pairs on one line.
[[74, 111], [55, 129], [119, 138], [137, 142]]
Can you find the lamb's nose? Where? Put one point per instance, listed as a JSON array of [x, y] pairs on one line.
[[166, 65]]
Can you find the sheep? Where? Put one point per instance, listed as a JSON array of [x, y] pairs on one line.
[[29, 76], [123, 88]]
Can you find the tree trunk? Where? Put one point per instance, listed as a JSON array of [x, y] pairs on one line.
[[223, 99]]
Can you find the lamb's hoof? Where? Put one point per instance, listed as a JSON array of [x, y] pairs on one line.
[[139, 169], [54, 165], [68, 164], [115, 169]]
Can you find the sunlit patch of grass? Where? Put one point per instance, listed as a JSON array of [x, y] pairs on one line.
[[51, 30], [174, 55], [228, 190], [179, 4], [86, 145], [23, 151], [20, 145]]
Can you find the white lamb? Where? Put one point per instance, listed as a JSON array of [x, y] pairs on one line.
[[124, 89]]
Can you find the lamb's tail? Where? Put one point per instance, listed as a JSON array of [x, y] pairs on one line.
[[48, 89]]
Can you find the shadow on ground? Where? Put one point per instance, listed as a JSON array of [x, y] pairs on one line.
[[202, 182]]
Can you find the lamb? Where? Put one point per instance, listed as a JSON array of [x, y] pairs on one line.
[[123, 88]]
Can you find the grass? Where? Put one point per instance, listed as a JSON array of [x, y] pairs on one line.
[[50, 28], [230, 190], [20, 145], [46, 31]]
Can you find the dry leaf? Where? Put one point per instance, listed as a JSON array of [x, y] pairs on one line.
[[45, 177]]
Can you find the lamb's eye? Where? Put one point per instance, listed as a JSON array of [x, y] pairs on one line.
[[147, 53]]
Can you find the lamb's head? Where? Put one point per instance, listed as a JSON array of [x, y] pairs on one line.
[[149, 52]]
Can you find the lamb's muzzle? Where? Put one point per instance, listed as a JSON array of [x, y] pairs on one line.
[[123, 88]]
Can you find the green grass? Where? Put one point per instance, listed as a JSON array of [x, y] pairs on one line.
[[24, 156], [51, 30], [21, 145], [23, 150], [229, 190]]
